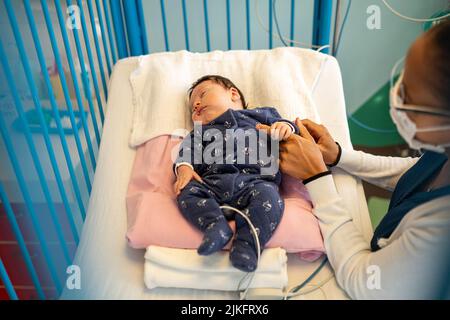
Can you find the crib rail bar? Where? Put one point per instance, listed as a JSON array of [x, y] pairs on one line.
[[133, 27], [205, 12], [119, 31], [143, 27], [322, 22], [91, 60], [96, 43], [103, 33], [185, 25], [270, 24], [164, 23], [292, 22], [5, 279], [228, 25], [109, 28], [247, 12]]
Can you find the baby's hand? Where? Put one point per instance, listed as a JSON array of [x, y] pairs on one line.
[[184, 175], [280, 130]]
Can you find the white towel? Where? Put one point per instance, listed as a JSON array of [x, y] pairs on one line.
[[281, 77], [184, 268]]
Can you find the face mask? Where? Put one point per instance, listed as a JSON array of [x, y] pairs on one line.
[[406, 127]]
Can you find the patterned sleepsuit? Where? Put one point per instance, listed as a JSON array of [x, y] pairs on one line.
[[229, 180]]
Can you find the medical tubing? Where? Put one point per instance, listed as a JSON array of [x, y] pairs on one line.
[[258, 16], [258, 245], [315, 287], [411, 18], [304, 283]]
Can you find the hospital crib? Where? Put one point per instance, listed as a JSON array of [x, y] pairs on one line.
[[56, 59]]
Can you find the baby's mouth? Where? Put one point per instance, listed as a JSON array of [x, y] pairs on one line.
[[200, 110]]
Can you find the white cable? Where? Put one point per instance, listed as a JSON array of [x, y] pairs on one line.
[[252, 274], [410, 18], [394, 70], [258, 247], [323, 47], [276, 35]]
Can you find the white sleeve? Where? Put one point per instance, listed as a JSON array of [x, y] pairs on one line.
[[179, 164], [403, 265], [378, 170], [292, 127]]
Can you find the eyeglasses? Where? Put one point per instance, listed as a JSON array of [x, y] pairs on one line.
[[398, 97]]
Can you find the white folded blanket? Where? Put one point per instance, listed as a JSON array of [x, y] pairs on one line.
[[282, 77], [184, 268]]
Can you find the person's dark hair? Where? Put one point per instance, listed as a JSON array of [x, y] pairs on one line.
[[224, 82], [439, 55]]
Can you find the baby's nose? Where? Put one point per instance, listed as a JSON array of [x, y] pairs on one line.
[[196, 106]]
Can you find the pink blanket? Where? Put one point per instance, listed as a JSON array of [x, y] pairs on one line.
[[154, 218]]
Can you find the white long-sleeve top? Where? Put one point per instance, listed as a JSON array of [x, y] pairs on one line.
[[411, 262]]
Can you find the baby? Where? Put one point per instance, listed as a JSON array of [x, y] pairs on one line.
[[202, 187]]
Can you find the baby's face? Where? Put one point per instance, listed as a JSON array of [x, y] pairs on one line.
[[209, 100]]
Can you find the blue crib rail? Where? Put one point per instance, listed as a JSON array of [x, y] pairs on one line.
[[56, 220], [4, 277], [56, 59]]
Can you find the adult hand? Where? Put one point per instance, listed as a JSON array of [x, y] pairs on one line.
[[324, 140], [300, 156]]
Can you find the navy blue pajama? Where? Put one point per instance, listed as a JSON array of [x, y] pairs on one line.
[[238, 185]]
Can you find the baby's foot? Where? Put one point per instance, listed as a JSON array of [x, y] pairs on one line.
[[216, 236], [243, 256]]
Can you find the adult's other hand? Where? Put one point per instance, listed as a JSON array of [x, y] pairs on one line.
[[300, 156], [323, 138]]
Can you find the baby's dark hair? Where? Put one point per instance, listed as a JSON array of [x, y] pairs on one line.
[[224, 82], [439, 55]]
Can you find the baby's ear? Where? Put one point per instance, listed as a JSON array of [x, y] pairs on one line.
[[235, 96]]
